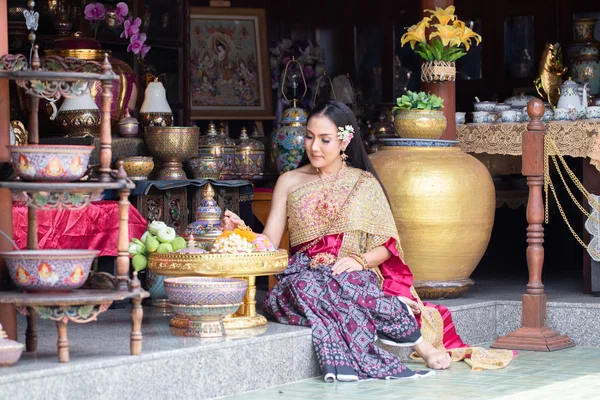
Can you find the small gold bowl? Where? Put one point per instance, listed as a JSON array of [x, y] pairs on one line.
[[138, 167]]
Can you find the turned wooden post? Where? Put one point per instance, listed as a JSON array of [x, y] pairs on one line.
[[533, 334], [445, 90], [123, 235], [105, 134], [63, 342], [137, 313], [8, 317]]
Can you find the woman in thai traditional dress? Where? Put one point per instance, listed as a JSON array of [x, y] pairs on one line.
[[346, 278]]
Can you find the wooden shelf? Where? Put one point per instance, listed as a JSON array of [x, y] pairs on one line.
[[22, 186], [56, 76], [76, 297]]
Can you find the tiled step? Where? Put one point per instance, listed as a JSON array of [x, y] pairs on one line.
[[181, 367]]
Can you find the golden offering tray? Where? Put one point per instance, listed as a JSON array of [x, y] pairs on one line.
[[243, 265]]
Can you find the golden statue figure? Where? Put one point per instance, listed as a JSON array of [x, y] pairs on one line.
[[550, 72]]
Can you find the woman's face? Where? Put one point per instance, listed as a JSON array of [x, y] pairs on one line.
[[321, 142]]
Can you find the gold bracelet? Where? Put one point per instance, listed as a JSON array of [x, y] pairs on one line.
[[361, 259]]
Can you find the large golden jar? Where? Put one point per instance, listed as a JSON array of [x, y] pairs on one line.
[[443, 202]]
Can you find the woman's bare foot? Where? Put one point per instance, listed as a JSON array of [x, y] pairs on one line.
[[435, 359]]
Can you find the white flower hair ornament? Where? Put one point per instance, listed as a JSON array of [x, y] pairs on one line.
[[345, 134]]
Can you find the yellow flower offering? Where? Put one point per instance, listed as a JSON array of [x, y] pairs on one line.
[[449, 38]]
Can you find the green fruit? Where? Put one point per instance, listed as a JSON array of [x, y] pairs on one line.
[[145, 236], [164, 248], [152, 243], [139, 262], [178, 243]]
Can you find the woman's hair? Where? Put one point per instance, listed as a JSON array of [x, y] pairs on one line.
[[341, 115]]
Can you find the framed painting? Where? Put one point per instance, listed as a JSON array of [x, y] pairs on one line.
[[228, 64]]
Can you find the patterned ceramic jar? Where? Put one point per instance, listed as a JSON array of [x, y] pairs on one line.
[[218, 145], [50, 163], [208, 214], [249, 157], [288, 140], [460, 117], [586, 68], [49, 270], [548, 113]]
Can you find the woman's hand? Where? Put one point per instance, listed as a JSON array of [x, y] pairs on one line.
[[230, 221], [414, 306], [345, 264]]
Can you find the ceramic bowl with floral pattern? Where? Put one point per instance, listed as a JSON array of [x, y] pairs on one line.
[[205, 290], [49, 270], [50, 163]]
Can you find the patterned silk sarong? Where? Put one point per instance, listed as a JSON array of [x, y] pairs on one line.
[[346, 313]]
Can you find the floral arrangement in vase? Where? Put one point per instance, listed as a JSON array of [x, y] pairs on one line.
[[448, 40], [114, 18], [419, 116]]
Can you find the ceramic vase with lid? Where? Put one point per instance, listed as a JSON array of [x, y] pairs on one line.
[[288, 139], [208, 218], [155, 110], [249, 157], [583, 35], [218, 145], [79, 116], [586, 68], [128, 126]]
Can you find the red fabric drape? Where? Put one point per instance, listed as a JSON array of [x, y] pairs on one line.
[[94, 227]]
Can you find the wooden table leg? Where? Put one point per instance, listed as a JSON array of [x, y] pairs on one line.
[[31, 337], [63, 342], [137, 313]]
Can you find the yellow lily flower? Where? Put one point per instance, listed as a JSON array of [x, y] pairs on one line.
[[416, 33], [443, 15], [449, 35], [466, 35]]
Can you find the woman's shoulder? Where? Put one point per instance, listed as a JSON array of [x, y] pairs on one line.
[[295, 178]]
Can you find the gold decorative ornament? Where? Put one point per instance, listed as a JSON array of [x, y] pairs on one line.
[[443, 202], [550, 71], [172, 145]]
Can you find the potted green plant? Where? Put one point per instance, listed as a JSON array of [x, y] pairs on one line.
[[419, 116]]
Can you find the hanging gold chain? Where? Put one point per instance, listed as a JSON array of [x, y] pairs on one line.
[[550, 144]]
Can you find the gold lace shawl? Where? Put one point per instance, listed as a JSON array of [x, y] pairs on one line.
[[356, 207]]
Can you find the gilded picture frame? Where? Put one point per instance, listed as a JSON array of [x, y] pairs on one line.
[[228, 64]]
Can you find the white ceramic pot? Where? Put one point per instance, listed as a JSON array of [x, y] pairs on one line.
[[155, 99]]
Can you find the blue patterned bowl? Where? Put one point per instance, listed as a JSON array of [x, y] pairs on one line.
[[205, 290]]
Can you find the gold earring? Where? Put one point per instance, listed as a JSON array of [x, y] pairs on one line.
[[344, 156]]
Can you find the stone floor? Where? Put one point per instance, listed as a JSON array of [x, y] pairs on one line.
[[277, 354], [566, 374]]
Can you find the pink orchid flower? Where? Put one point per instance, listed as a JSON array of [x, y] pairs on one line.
[[94, 12], [131, 28], [144, 50], [121, 12], [136, 43]]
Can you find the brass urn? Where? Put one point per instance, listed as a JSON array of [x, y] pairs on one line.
[[443, 201]]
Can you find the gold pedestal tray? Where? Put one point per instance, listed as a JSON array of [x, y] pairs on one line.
[[245, 265]]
